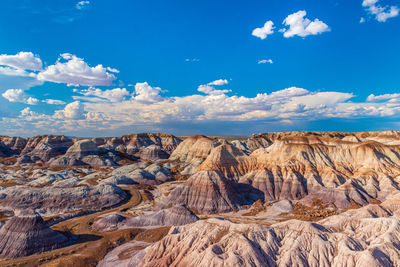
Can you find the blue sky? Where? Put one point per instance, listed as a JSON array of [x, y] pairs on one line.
[[101, 67]]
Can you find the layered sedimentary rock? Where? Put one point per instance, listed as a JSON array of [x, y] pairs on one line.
[[10, 146], [229, 160], [177, 215], [109, 223], [324, 166], [340, 241], [93, 152], [83, 152], [131, 143], [57, 200], [152, 153], [152, 174], [26, 233], [207, 192], [191, 153], [45, 147]]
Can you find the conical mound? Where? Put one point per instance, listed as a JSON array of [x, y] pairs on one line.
[[177, 215], [229, 160], [207, 192], [26, 233]]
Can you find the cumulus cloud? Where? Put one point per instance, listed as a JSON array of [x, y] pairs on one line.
[[301, 26], [82, 4], [75, 71], [73, 111], [291, 104], [264, 31], [265, 61], [54, 102], [113, 95], [19, 96], [22, 61], [384, 97], [10, 71], [147, 94], [381, 13], [209, 88]]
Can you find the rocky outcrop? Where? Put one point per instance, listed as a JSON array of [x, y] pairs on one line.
[[152, 174], [109, 222], [46, 147], [93, 152], [339, 241], [58, 200], [10, 146], [207, 192], [327, 166], [130, 144], [84, 152], [26, 233], [152, 153], [177, 215], [229, 160], [191, 153]]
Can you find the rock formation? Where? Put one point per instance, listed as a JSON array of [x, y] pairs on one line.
[[339, 241], [26, 233], [207, 192], [229, 160], [46, 147], [131, 143], [152, 153], [58, 200], [177, 215], [191, 153]]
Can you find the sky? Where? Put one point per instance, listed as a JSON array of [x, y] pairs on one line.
[[213, 67]]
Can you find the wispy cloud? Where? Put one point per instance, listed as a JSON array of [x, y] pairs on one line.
[[265, 61], [381, 13]]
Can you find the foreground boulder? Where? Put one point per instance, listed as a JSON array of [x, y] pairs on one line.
[[26, 233]]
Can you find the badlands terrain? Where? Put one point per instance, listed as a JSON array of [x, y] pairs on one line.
[[273, 199]]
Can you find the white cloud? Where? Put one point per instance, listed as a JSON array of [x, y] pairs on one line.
[[19, 96], [54, 102], [112, 70], [192, 60], [32, 101], [292, 104], [219, 82], [22, 61], [381, 13], [113, 95], [145, 93], [385, 97], [73, 111], [264, 61], [264, 31], [362, 20], [209, 88], [75, 71], [10, 71], [301, 26], [81, 4]]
